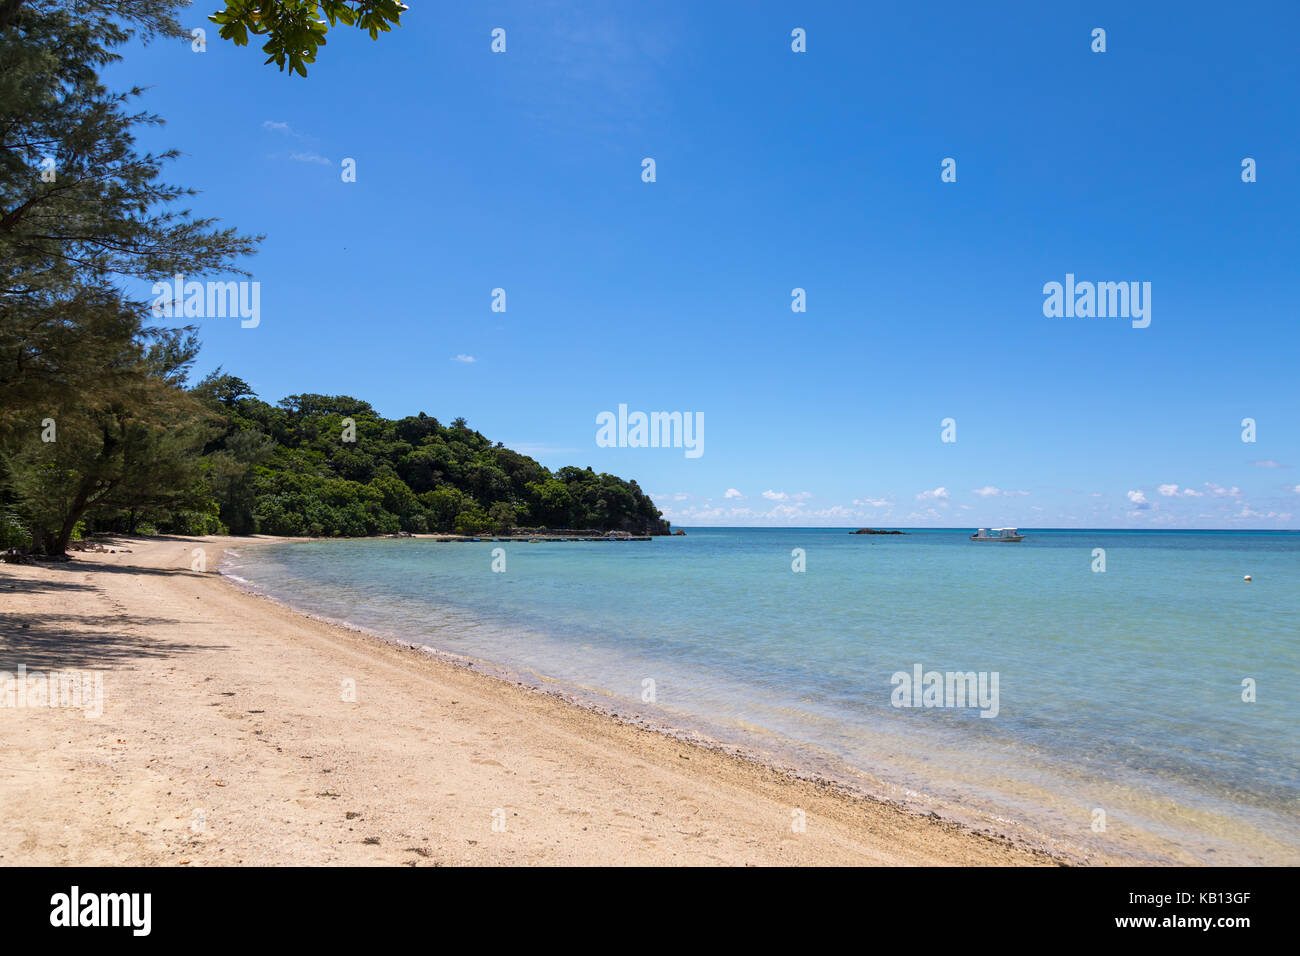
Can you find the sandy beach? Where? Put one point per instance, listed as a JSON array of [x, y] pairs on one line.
[[226, 738]]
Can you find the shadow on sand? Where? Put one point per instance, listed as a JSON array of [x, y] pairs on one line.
[[52, 641]]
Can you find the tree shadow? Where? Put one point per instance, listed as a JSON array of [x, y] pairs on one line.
[[87, 642], [77, 567], [30, 586], [61, 572], [125, 541]]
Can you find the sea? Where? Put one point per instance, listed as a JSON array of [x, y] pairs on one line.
[[1090, 691]]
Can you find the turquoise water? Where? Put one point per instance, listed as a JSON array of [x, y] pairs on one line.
[[1118, 691]]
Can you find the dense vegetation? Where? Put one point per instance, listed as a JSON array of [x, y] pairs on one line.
[[329, 465], [98, 426]]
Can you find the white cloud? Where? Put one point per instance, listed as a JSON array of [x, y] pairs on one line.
[[939, 492], [1171, 491], [988, 491], [312, 158], [1246, 512], [726, 515], [787, 513], [835, 511], [786, 509], [1137, 497], [733, 493], [795, 511], [872, 502], [1269, 463], [771, 495], [1296, 489], [1219, 491], [462, 357], [278, 127]]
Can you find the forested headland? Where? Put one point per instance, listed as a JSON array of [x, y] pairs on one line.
[[101, 427]]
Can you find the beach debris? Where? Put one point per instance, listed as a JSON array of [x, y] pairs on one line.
[[1248, 578], [371, 841]]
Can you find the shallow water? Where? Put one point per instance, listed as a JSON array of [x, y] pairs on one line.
[[1118, 691]]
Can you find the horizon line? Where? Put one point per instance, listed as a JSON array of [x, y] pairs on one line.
[[899, 527]]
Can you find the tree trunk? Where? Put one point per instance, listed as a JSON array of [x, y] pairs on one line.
[[57, 545]]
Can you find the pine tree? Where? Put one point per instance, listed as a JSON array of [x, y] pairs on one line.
[[81, 211]]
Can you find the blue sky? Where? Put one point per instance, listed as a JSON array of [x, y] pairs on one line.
[[776, 170]]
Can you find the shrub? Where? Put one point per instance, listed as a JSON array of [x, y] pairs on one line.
[[13, 532]]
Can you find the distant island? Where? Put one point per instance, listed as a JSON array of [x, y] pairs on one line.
[[875, 531]]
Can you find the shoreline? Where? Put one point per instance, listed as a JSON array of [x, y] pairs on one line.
[[796, 761], [624, 778]]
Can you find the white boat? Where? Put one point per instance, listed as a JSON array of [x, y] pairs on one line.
[[997, 534]]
